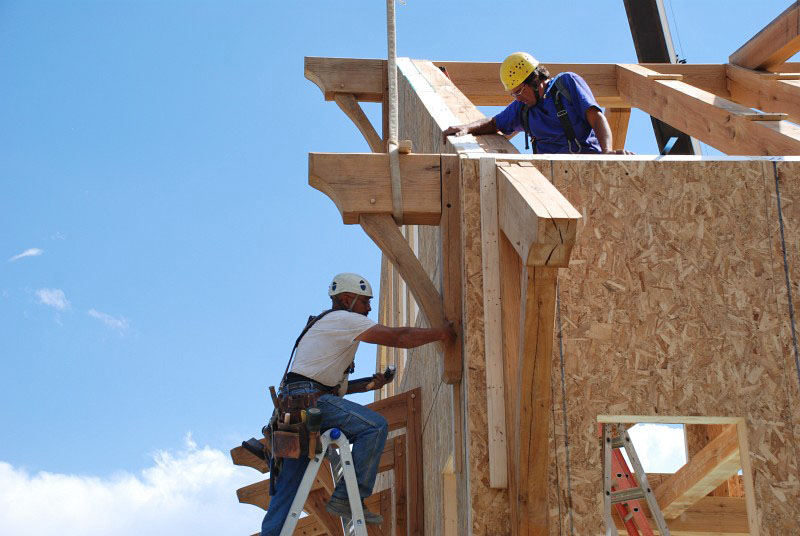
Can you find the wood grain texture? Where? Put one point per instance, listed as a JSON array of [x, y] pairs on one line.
[[493, 326], [359, 183], [451, 259], [362, 78], [764, 91], [774, 44], [730, 127], [618, 119], [710, 467]]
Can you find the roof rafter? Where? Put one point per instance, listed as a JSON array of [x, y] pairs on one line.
[[772, 46]]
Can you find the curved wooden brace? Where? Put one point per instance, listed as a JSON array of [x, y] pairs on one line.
[[382, 229], [349, 105]]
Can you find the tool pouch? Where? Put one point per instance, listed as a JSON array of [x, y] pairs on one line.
[[288, 432]]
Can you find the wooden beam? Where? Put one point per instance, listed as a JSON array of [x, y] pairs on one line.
[[315, 505], [493, 327], [511, 287], [776, 43], [245, 458], [382, 229], [400, 486], [360, 184], [415, 484], [533, 412], [618, 119], [452, 282], [536, 218], [709, 468], [721, 123], [770, 92], [697, 437], [362, 78], [349, 105], [710, 516]]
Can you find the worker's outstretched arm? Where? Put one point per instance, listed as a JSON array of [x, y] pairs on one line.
[[599, 124], [406, 337], [481, 126]]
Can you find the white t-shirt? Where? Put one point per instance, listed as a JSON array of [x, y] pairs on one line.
[[326, 351]]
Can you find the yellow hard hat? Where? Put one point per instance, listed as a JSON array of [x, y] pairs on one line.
[[516, 68]]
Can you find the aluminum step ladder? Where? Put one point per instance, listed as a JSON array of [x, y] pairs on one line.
[[624, 489], [342, 467]]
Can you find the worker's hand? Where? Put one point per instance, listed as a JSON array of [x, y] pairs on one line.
[[458, 130], [619, 151], [379, 380], [448, 332]]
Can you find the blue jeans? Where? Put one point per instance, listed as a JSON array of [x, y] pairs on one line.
[[366, 431]]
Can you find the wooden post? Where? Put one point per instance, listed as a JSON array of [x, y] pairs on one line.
[[533, 412]]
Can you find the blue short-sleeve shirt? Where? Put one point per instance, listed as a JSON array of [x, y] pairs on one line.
[[544, 123]]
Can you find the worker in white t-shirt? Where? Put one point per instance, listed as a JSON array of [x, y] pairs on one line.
[[322, 363]]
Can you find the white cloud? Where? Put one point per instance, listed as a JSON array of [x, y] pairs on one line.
[[32, 252], [119, 324], [192, 491], [661, 448], [54, 297]]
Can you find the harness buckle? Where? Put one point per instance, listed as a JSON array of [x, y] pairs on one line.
[[561, 113]]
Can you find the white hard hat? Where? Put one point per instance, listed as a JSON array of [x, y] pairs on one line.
[[348, 282]]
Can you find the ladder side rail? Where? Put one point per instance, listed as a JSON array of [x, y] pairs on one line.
[[305, 488], [358, 526], [611, 528], [641, 477]]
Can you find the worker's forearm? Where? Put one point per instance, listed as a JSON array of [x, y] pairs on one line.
[[602, 130], [413, 337], [482, 126]]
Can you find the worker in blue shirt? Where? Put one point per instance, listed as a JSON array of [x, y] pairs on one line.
[[558, 115]]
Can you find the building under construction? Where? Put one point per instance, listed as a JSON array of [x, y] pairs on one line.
[[587, 290]]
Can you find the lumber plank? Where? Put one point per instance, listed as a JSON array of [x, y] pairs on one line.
[[451, 266], [766, 91], [510, 285], [394, 409], [710, 516], [349, 105], [359, 183], [536, 218], [400, 486], [697, 437], [363, 78], [492, 321], [382, 229], [726, 125], [414, 483], [709, 468], [245, 458], [533, 411], [618, 119], [774, 44]]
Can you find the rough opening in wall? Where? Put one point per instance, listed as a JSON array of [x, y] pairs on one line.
[[687, 471]]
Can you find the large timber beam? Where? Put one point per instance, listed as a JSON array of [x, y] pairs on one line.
[[480, 82], [710, 516], [776, 43], [721, 123], [770, 92], [536, 218], [360, 184], [709, 468], [364, 79]]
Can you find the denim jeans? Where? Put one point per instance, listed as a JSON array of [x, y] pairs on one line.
[[366, 431]]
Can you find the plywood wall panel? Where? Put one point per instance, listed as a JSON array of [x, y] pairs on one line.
[[670, 306]]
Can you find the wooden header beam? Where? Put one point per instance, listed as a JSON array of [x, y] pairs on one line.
[[772, 46], [360, 184]]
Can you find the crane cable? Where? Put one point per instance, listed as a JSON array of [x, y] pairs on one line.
[[392, 146]]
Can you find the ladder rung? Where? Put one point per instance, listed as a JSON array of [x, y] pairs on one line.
[[617, 443], [633, 494]]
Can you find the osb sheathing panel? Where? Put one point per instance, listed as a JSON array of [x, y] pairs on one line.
[[675, 303], [490, 507]]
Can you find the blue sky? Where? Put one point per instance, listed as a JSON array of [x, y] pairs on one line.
[[159, 246]]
